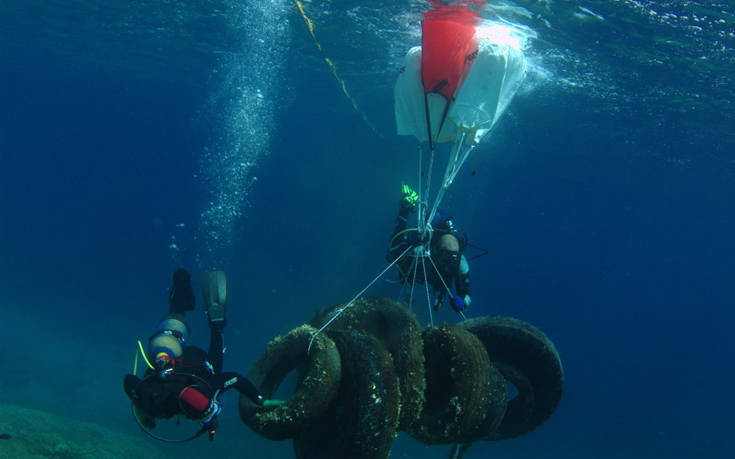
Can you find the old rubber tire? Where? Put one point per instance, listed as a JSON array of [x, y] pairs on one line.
[[394, 326], [465, 395], [529, 360], [319, 379], [362, 421]]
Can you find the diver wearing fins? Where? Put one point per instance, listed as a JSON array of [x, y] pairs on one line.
[[446, 249], [185, 380]]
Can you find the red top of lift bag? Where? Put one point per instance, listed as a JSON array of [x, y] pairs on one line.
[[448, 45]]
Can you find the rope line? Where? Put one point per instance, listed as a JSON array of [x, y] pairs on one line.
[[413, 282], [344, 308], [449, 292], [333, 68], [428, 297]]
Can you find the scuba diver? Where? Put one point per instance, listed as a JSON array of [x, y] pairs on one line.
[[446, 265], [185, 380]]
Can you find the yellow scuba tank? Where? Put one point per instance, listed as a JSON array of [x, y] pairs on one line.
[[167, 342]]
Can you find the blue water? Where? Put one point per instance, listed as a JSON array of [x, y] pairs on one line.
[[137, 138]]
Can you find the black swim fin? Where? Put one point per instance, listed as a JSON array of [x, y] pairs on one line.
[[213, 286], [181, 295]]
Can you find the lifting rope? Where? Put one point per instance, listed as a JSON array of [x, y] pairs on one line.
[[333, 68]]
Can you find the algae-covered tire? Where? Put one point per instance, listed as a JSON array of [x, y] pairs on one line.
[[362, 421], [529, 360], [464, 393], [319, 378], [394, 326], [496, 405]]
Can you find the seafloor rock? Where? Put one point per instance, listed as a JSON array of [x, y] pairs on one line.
[[394, 326], [37, 434]]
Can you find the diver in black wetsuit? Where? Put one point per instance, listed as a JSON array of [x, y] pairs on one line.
[[446, 250], [184, 379]]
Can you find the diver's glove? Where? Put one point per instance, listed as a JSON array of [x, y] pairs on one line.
[[409, 199], [459, 304], [439, 302]]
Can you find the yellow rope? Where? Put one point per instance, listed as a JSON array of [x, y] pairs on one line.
[[142, 352], [333, 68], [390, 244], [135, 365]]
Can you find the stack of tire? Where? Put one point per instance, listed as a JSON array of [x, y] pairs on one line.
[[374, 372]]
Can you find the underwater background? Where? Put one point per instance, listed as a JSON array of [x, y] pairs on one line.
[[139, 137]]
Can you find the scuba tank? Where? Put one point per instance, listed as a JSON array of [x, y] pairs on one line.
[[166, 344]]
